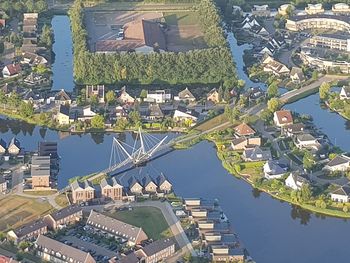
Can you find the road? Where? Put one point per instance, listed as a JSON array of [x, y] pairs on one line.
[[313, 86]]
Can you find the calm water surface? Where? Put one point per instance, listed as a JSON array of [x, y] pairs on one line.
[[273, 231]]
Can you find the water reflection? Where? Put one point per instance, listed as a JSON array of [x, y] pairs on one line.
[[256, 192], [299, 213]]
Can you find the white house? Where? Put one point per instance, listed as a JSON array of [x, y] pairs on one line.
[[307, 141], [273, 170], [339, 163], [87, 113], [124, 97], [283, 118], [345, 93], [341, 194], [11, 70], [158, 96], [181, 113], [295, 180]]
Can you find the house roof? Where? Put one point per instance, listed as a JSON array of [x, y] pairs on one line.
[[13, 69], [155, 110], [40, 166], [244, 129], [346, 90], [239, 140], [157, 246], [296, 127], [274, 168], [63, 109], [116, 227], [130, 258], [15, 142], [284, 116], [112, 182], [257, 153], [339, 159], [2, 143], [82, 185], [132, 181], [186, 94], [64, 250], [65, 212], [146, 180], [305, 137], [161, 179], [344, 190], [299, 177], [188, 111], [62, 95], [29, 228], [297, 71]]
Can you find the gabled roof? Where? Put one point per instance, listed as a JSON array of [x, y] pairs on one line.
[[146, 180], [299, 177], [346, 90], [161, 179], [65, 212], [112, 182], [155, 110], [157, 246], [62, 250], [15, 142], [13, 69], [257, 153], [2, 143], [132, 181], [186, 94], [239, 140], [339, 159], [305, 137], [76, 185], [297, 71], [284, 116], [29, 228], [183, 109], [294, 128], [344, 190], [63, 109], [274, 168], [62, 95], [244, 130]]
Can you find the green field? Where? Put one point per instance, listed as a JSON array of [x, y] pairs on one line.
[[150, 219], [181, 18]]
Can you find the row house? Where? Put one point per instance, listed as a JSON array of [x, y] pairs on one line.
[[111, 189], [82, 191], [14, 147], [63, 217], [115, 228], [147, 185], [28, 231]]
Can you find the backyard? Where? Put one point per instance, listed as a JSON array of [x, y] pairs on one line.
[[150, 219]]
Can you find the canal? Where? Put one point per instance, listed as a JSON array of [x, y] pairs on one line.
[[273, 231]]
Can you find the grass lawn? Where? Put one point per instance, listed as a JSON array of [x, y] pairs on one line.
[[40, 193], [213, 122], [141, 6], [150, 219], [16, 211], [62, 200], [181, 18]]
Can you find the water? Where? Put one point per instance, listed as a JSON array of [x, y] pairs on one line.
[[62, 67], [273, 231]]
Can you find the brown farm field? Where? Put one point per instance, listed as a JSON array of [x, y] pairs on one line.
[[16, 210]]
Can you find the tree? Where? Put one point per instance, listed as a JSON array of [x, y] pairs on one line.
[[308, 161], [93, 100], [46, 37], [306, 192], [41, 6], [324, 90], [143, 94], [314, 75], [29, 5], [23, 245], [236, 113], [97, 122], [240, 84], [121, 124], [227, 95], [14, 100], [110, 97], [272, 90], [26, 109], [266, 115], [41, 69], [331, 156], [2, 236], [221, 93], [2, 47], [135, 117], [273, 104]]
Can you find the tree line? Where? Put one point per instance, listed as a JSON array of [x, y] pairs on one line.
[[211, 65]]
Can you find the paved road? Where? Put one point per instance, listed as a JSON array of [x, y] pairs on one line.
[[294, 93]]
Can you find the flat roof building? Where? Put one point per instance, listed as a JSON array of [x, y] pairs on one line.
[[321, 21]]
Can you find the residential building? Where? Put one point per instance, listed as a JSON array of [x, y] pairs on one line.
[[2, 23], [154, 113], [249, 22], [62, 97], [51, 250], [332, 41], [307, 141], [5, 259], [86, 114], [244, 143], [344, 93], [213, 238], [40, 172], [283, 10], [261, 10], [254, 94], [14, 147], [213, 96], [63, 115], [82, 191], [293, 129], [314, 9], [158, 96], [275, 67], [115, 228], [297, 75], [3, 147], [244, 129], [341, 195], [222, 253], [135, 187], [321, 21], [95, 90], [196, 203], [63, 217], [164, 184], [11, 70], [205, 226], [3, 185], [29, 231], [149, 185], [111, 189], [296, 180], [339, 163], [256, 154], [184, 114], [157, 251], [30, 24], [120, 113], [341, 9], [185, 96], [124, 98], [283, 118], [274, 170], [32, 59]]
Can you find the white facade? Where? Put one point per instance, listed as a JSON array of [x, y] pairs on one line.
[[339, 198]]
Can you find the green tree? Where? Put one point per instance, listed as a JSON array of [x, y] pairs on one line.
[[97, 122], [40, 6], [266, 115], [306, 192], [23, 245], [314, 75], [2, 236], [41, 69], [29, 5], [331, 156], [110, 97], [94, 100], [121, 124], [240, 84], [26, 109], [324, 90], [46, 37], [273, 104], [14, 100], [143, 94], [308, 161], [272, 90], [135, 118]]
